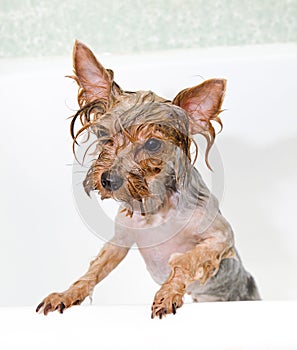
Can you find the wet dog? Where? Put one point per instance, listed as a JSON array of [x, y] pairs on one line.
[[143, 160]]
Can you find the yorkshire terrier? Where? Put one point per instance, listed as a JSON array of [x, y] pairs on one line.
[[143, 160]]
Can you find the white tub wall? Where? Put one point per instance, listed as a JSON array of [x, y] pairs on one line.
[[44, 245], [131, 26]]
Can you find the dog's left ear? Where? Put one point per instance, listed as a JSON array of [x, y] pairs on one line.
[[203, 104]]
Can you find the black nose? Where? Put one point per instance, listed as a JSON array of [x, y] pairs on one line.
[[111, 181]]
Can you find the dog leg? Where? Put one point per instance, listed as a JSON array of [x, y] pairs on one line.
[[108, 258], [200, 263]]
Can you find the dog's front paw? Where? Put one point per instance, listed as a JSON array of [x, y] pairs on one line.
[[166, 302], [57, 301], [75, 295]]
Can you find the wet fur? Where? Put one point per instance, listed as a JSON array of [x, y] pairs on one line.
[[167, 210]]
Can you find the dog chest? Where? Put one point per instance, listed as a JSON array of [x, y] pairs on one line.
[[156, 257]]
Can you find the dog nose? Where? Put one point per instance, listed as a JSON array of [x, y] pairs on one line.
[[111, 181]]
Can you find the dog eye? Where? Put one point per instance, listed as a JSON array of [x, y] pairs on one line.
[[103, 135], [152, 145]]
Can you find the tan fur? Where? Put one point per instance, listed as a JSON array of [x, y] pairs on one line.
[[167, 210], [198, 264], [108, 258]]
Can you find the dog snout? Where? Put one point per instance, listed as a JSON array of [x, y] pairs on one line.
[[111, 181]]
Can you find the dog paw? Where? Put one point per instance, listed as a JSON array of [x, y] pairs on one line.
[[165, 304], [58, 302]]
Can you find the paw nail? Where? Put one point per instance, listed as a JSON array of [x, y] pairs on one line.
[[39, 306], [47, 308], [62, 307]]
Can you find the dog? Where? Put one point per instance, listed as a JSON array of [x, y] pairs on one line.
[[143, 160]]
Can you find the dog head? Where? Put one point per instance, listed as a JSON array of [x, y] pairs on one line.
[[142, 141]]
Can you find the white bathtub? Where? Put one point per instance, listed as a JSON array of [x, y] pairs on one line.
[[45, 245], [207, 326]]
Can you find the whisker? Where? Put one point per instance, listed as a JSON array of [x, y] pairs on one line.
[[196, 151], [85, 154], [79, 172]]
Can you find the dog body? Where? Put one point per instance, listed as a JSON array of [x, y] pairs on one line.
[[143, 160]]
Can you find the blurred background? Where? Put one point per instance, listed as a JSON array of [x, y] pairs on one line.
[[39, 28], [162, 46]]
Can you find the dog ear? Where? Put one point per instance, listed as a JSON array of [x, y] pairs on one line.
[[203, 104], [93, 79]]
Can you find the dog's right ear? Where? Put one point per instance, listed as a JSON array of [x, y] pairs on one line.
[[94, 80]]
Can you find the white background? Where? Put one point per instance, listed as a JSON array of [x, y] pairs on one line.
[[45, 246]]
